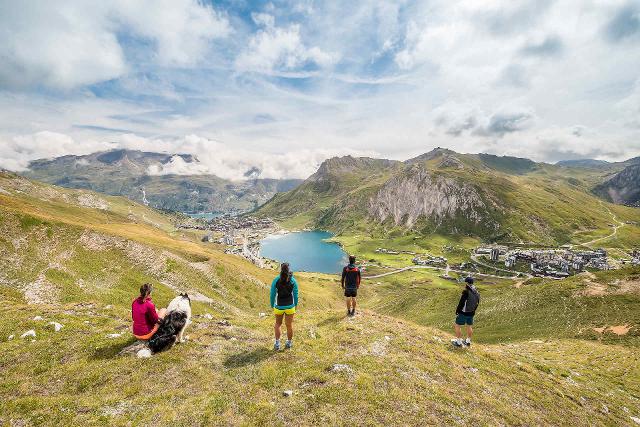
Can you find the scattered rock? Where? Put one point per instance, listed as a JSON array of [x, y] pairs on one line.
[[114, 335], [287, 393], [604, 409], [56, 326], [437, 339], [224, 322], [635, 419], [29, 333], [208, 316], [474, 370], [379, 347], [117, 410], [41, 291], [133, 348], [108, 307], [340, 367], [145, 353], [11, 337], [571, 381], [91, 201], [261, 315], [86, 321], [38, 318]]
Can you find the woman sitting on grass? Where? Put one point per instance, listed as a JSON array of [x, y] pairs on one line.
[[284, 299], [145, 317]]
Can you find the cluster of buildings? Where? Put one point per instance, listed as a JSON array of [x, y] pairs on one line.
[[558, 263], [635, 258], [241, 234], [436, 261]]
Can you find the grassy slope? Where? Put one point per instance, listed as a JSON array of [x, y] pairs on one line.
[[536, 309], [228, 375], [543, 204]]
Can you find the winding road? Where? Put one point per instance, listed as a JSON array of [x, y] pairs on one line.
[[414, 267], [615, 230]]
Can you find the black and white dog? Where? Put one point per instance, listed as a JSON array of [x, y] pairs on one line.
[[171, 329]]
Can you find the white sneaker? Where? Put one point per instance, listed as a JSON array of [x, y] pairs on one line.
[[288, 344], [456, 342], [276, 345], [467, 342]]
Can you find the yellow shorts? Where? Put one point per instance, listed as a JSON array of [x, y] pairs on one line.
[[280, 312]]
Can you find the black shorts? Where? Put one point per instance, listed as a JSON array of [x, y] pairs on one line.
[[351, 292]]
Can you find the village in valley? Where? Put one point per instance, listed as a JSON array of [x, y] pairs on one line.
[[554, 263], [241, 235]]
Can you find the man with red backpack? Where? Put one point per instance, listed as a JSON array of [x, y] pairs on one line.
[[350, 284]]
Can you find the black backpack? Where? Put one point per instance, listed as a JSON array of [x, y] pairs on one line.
[[473, 300], [285, 292]]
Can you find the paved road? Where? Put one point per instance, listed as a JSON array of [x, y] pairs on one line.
[[414, 267], [475, 259]]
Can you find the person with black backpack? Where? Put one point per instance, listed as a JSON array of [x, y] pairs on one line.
[[465, 311], [350, 284], [284, 299]]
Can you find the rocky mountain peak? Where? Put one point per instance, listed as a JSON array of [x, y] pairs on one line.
[[437, 152], [336, 166]]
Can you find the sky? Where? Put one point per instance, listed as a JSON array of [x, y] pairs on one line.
[[283, 85]]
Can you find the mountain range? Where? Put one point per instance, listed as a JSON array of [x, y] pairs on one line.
[[497, 198], [131, 173]]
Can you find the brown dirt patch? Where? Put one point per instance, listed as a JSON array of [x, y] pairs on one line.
[[618, 330]]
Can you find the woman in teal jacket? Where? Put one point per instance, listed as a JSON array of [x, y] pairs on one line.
[[284, 299]]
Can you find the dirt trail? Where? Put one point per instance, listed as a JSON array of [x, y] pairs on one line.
[[615, 230]]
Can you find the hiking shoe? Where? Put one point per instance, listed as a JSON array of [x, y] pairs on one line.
[[467, 342], [276, 345], [456, 343], [288, 344], [348, 312]]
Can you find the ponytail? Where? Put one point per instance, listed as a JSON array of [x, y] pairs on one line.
[[285, 273], [145, 290]]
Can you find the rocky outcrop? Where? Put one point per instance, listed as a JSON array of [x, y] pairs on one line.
[[623, 187], [418, 193]]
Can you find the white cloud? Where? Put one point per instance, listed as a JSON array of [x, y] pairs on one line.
[[214, 158], [18, 150], [182, 29], [73, 43], [274, 49]]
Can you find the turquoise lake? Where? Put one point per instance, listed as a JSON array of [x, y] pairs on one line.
[[305, 251]]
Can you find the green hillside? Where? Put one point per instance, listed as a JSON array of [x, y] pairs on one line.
[[490, 198], [77, 258]]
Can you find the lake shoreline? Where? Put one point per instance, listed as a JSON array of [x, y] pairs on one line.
[[306, 250]]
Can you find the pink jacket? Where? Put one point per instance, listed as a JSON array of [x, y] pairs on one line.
[[144, 316]]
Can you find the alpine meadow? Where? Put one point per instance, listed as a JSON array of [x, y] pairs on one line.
[[302, 213]]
